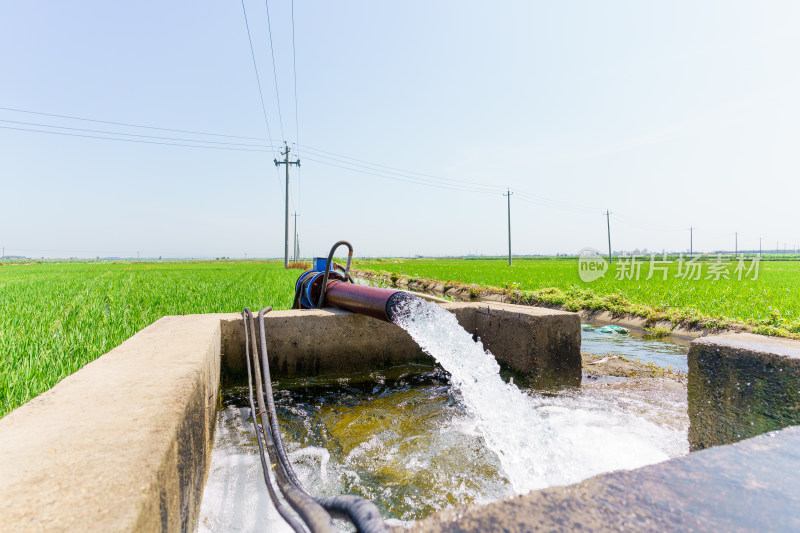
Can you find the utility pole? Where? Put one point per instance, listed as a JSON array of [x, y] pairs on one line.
[[691, 239], [509, 194], [759, 247], [295, 215], [608, 225], [288, 163], [736, 246]]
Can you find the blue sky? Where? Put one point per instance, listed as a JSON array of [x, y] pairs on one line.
[[668, 114]]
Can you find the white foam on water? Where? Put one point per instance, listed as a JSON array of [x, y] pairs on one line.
[[235, 497], [539, 440]]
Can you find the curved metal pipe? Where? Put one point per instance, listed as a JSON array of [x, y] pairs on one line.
[[321, 301]]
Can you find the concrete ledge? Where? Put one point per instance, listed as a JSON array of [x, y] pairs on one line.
[[541, 344], [749, 486], [120, 445], [741, 385], [123, 444]]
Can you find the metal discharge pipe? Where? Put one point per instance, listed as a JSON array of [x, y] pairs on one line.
[[370, 301]]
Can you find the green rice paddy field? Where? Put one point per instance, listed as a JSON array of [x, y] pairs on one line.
[[770, 304], [56, 317]]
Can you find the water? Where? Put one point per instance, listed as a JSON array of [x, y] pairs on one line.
[[660, 352], [540, 441], [416, 439]]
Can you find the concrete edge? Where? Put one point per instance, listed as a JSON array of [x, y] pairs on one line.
[[633, 322], [113, 447], [747, 486]]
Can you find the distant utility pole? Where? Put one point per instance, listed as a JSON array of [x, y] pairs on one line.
[[137, 255], [288, 163], [295, 215], [777, 248], [608, 225], [245, 256], [759, 247], [736, 246], [691, 239], [508, 194]]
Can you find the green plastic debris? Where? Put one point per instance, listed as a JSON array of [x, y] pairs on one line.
[[619, 330]]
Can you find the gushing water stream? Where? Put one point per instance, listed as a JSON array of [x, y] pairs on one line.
[[416, 439], [539, 444]]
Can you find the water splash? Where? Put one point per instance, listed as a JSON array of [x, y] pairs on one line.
[[539, 441]]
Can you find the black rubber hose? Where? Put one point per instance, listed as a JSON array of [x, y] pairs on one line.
[[362, 513], [311, 512], [287, 516]]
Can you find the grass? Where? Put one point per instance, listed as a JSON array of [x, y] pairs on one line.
[[768, 305], [55, 318]]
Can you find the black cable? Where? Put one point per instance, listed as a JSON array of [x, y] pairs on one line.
[[127, 124], [255, 69], [296, 120], [488, 189], [310, 511], [131, 134], [274, 71], [260, 93], [408, 180], [291, 520], [362, 513], [294, 69], [456, 180], [135, 140]]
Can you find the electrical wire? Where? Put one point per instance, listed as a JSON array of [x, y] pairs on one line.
[[294, 69], [319, 151], [274, 71], [405, 179], [136, 140], [132, 134], [15, 110], [260, 92], [255, 69], [296, 119]]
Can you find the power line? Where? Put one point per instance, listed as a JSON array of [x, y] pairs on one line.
[[132, 134], [260, 93], [255, 69], [417, 179], [128, 124], [294, 68], [136, 140], [493, 189], [296, 119], [274, 71], [405, 179]]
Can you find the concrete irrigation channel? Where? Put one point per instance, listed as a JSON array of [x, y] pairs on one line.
[[124, 444]]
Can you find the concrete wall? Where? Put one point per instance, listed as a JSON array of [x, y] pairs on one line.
[[123, 444], [741, 385], [542, 345], [752, 485]]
